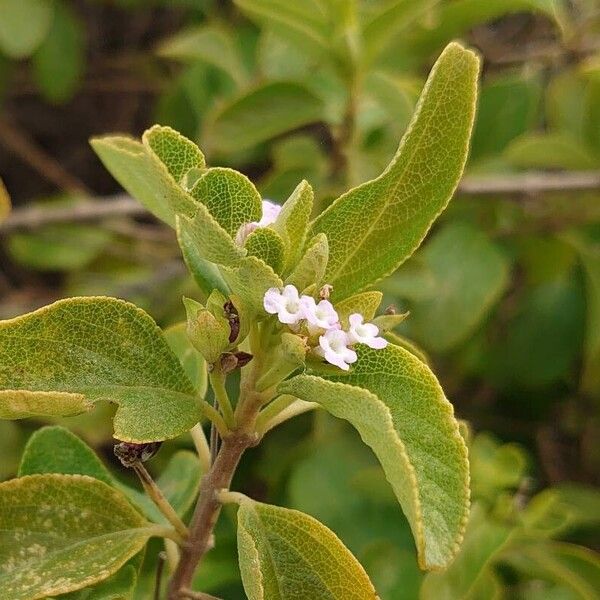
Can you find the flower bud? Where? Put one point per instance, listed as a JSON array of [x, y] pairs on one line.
[[208, 333]]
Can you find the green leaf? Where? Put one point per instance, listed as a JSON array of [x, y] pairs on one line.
[[4, 202], [211, 44], [305, 24], [58, 62], [261, 114], [98, 349], [196, 243], [390, 21], [550, 151], [250, 280], [292, 222], [575, 567], [373, 228], [19, 404], [265, 243], [180, 480], [191, 361], [206, 238], [127, 161], [365, 303], [119, 586], [155, 170], [508, 106], [285, 554], [54, 449], [310, 270], [175, 151], [99, 532], [59, 247], [484, 539], [24, 25], [563, 509], [230, 197], [471, 274], [589, 255], [398, 407]]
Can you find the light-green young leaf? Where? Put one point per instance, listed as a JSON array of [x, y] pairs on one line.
[[250, 280], [265, 243], [288, 555], [397, 405], [373, 228], [292, 222], [99, 532], [90, 349], [310, 269], [230, 197]]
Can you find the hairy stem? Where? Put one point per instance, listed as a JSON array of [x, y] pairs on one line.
[[217, 382], [207, 510]]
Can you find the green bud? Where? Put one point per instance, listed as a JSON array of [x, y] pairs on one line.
[[208, 333], [283, 360], [389, 321]]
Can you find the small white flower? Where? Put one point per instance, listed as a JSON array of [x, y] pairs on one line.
[[333, 347], [364, 333], [270, 212], [285, 304], [319, 316]]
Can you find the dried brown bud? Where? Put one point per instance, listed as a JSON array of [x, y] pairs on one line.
[[390, 310], [232, 315], [243, 358], [228, 362], [325, 292], [129, 453]]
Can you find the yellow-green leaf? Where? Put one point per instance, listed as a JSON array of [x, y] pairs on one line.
[[98, 349], [310, 269], [397, 405], [174, 150], [230, 197], [60, 533], [288, 555], [373, 228], [250, 280], [265, 243], [24, 25], [292, 222]]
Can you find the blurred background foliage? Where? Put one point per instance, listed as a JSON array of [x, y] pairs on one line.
[[504, 296]]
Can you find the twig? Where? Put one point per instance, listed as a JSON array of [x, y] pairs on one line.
[[160, 565], [531, 183], [518, 184], [191, 595], [31, 153], [156, 495]]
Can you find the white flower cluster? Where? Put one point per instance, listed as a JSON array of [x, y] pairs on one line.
[[321, 319]]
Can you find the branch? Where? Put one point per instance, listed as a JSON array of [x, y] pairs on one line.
[[37, 158], [530, 184], [519, 184]]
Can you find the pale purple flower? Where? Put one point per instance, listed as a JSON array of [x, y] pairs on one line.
[[286, 304], [333, 347], [364, 333], [319, 316], [270, 212]]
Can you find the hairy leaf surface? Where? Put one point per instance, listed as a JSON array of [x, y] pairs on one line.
[[397, 405], [99, 532], [288, 555], [373, 228], [98, 349]]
